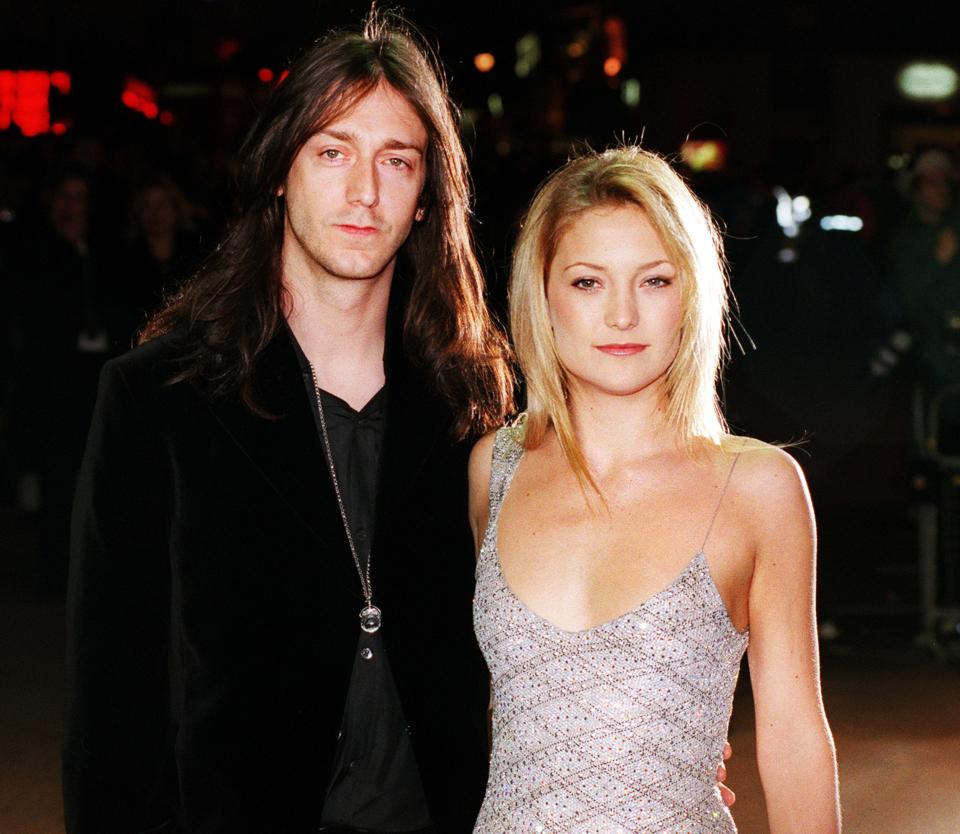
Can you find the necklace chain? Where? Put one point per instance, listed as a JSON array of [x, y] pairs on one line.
[[365, 584]]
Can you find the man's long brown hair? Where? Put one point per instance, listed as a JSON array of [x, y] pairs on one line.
[[234, 306]]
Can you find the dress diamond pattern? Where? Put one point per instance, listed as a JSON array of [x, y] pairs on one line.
[[616, 729]]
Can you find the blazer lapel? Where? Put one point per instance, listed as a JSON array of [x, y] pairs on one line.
[[416, 418], [286, 449], [417, 421]]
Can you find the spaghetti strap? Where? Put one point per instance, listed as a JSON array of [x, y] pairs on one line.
[[716, 509], [505, 456]]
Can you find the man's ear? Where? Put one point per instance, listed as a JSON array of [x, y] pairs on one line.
[[419, 214], [279, 191]]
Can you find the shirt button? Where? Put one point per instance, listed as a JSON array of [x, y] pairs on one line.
[[365, 653]]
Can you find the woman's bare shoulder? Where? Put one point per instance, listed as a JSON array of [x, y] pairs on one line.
[[771, 491], [480, 459], [769, 473]]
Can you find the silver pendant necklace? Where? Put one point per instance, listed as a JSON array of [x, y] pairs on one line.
[[370, 615]]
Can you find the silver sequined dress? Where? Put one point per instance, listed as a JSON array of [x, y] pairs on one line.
[[617, 729]]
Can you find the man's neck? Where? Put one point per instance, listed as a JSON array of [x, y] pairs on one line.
[[340, 325]]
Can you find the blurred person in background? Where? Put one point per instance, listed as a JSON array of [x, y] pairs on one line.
[[60, 320], [925, 267], [8, 234], [163, 248]]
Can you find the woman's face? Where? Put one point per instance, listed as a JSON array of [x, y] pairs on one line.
[[614, 302]]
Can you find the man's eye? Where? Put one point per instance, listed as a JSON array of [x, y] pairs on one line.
[[331, 153], [397, 162]]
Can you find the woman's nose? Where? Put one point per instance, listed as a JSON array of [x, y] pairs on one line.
[[622, 310]]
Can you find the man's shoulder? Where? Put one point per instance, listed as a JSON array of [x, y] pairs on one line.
[[166, 346], [152, 364]]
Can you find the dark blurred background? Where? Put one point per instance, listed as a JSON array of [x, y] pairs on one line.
[[826, 139]]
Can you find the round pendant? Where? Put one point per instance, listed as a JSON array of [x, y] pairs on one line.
[[370, 619]]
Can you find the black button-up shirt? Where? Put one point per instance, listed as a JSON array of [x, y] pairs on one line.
[[375, 784]]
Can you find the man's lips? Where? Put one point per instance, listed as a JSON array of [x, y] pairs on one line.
[[623, 349], [362, 231]]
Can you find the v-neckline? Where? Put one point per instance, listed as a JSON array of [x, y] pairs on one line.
[[698, 558]]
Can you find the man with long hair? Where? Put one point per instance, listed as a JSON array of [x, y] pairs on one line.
[[286, 450]]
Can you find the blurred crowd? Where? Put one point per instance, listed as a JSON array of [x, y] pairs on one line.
[[86, 253], [845, 335]]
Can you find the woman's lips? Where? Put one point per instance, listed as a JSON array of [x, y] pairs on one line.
[[626, 349]]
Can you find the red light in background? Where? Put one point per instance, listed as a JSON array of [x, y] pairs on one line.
[[25, 100], [227, 48], [60, 80], [32, 110], [265, 74], [140, 88], [8, 97], [140, 96], [58, 128], [167, 118], [283, 76]]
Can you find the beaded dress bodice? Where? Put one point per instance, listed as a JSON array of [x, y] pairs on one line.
[[616, 729]]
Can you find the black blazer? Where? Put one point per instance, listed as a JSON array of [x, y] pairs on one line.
[[213, 601]]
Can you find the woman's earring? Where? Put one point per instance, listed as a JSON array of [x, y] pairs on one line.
[[419, 214]]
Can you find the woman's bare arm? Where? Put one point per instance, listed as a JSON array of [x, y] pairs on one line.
[[478, 476], [795, 749]]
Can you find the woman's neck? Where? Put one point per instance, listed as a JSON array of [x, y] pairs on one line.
[[613, 430]]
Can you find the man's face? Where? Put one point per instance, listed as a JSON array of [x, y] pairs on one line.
[[352, 191]]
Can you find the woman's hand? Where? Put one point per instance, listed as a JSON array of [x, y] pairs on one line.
[[728, 796]]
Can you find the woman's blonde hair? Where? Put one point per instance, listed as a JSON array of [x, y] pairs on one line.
[[623, 176]]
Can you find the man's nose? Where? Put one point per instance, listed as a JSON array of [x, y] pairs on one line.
[[362, 185]]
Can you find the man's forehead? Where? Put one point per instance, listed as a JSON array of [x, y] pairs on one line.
[[380, 112]]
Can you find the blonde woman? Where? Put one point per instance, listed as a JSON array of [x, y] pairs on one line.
[[630, 548]]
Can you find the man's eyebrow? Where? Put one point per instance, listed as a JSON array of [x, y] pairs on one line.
[[387, 144]]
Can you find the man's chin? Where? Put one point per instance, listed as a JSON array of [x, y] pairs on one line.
[[362, 270]]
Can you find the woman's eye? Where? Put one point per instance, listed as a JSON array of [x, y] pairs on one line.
[[331, 153], [657, 281], [586, 283]]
